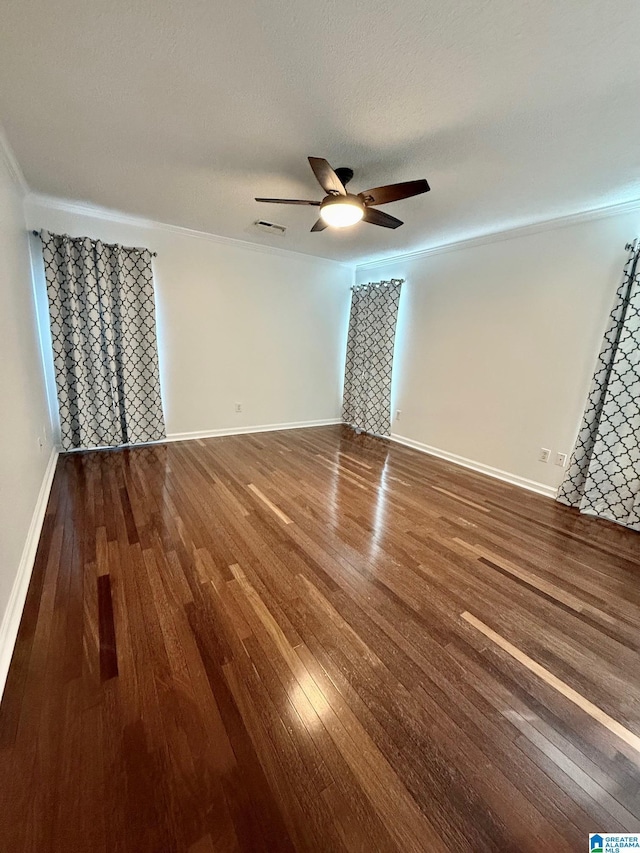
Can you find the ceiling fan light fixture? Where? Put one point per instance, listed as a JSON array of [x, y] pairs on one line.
[[341, 211]]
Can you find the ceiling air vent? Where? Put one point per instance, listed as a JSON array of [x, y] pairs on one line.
[[270, 227]]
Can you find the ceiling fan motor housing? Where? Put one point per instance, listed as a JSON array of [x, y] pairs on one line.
[[345, 174], [349, 198]]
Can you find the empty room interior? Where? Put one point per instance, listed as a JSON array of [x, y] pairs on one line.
[[320, 459]]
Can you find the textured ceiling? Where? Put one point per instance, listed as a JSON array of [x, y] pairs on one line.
[[183, 111]]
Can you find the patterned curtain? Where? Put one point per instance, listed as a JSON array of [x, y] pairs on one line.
[[603, 477], [103, 328], [372, 332]]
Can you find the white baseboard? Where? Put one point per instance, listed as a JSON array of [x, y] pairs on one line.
[[481, 468], [15, 606], [247, 430]]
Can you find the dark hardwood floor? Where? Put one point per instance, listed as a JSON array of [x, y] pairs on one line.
[[316, 641]]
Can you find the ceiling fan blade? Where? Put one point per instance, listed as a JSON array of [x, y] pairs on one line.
[[378, 217], [289, 201], [320, 225], [327, 178], [394, 192]]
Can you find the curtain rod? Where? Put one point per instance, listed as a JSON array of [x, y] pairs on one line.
[[110, 245], [378, 283]]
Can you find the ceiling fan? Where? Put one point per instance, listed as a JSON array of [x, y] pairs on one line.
[[340, 208]]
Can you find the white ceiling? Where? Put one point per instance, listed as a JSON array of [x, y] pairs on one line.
[[183, 110]]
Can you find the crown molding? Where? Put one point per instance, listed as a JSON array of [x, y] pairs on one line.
[[509, 233], [17, 176], [108, 215]]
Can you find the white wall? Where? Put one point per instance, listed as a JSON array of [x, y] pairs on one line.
[[236, 323], [25, 419], [497, 342]]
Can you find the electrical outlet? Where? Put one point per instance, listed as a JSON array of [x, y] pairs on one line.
[[544, 454], [238, 408], [561, 459], [398, 413]]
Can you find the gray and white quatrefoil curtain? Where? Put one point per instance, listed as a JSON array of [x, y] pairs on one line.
[[103, 330], [603, 477], [369, 363]]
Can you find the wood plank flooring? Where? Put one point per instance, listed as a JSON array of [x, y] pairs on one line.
[[316, 641]]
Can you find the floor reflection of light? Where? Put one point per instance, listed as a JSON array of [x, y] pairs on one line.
[[379, 517], [380, 508], [159, 468], [308, 700], [332, 495], [373, 482]]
